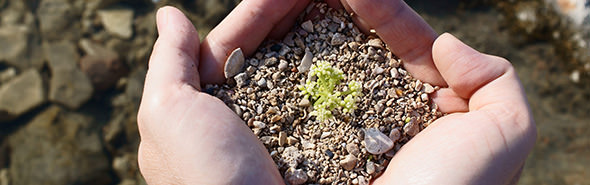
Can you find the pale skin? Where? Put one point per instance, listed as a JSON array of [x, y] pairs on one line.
[[189, 137]]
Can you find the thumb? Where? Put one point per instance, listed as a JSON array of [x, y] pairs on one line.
[[174, 58]]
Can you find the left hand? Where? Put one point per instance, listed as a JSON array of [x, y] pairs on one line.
[[190, 137]]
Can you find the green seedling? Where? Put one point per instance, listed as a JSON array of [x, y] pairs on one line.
[[323, 94]]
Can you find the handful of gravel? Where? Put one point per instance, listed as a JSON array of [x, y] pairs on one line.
[[352, 146]]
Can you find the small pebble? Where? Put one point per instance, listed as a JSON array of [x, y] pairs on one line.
[[307, 145], [261, 82], [291, 140], [375, 43], [270, 61], [424, 97], [259, 124], [378, 70], [338, 39], [411, 128], [241, 79], [291, 155], [329, 153], [306, 62], [393, 72], [295, 176], [276, 118], [362, 180], [304, 102], [283, 65], [418, 86], [353, 149], [349, 162], [428, 88], [307, 26], [376, 142], [370, 167], [325, 135], [395, 134], [282, 138]]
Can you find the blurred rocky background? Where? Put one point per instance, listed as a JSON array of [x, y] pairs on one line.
[[72, 72]]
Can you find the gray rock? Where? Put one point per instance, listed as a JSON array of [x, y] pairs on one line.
[[306, 62], [58, 147], [234, 64], [412, 128], [376, 142], [55, 18], [353, 149], [295, 176], [307, 144], [395, 134], [21, 94], [291, 156], [370, 167], [307, 26], [61, 55], [241, 79], [117, 21], [338, 39], [349, 162], [69, 87], [283, 65], [20, 48], [361, 180], [270, 61], [103, 66]]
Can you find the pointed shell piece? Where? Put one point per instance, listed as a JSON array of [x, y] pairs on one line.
[[305, 62], [234, 63]]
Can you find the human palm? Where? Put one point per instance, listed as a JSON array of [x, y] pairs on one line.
[[189, 137]]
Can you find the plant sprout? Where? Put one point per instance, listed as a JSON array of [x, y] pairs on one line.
[[323, 91]]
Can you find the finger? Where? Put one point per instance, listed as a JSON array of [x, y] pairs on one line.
[[245, 27], [174, 57], [286, 24], [488, 82], [448, 101], [465, 69], [407, 35]]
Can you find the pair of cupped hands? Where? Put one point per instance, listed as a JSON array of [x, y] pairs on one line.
[[190, 137]]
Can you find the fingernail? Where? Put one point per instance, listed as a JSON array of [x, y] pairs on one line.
[[162, 18]]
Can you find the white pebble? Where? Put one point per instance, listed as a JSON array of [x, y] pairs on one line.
[[259, 124], [376, 142]]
